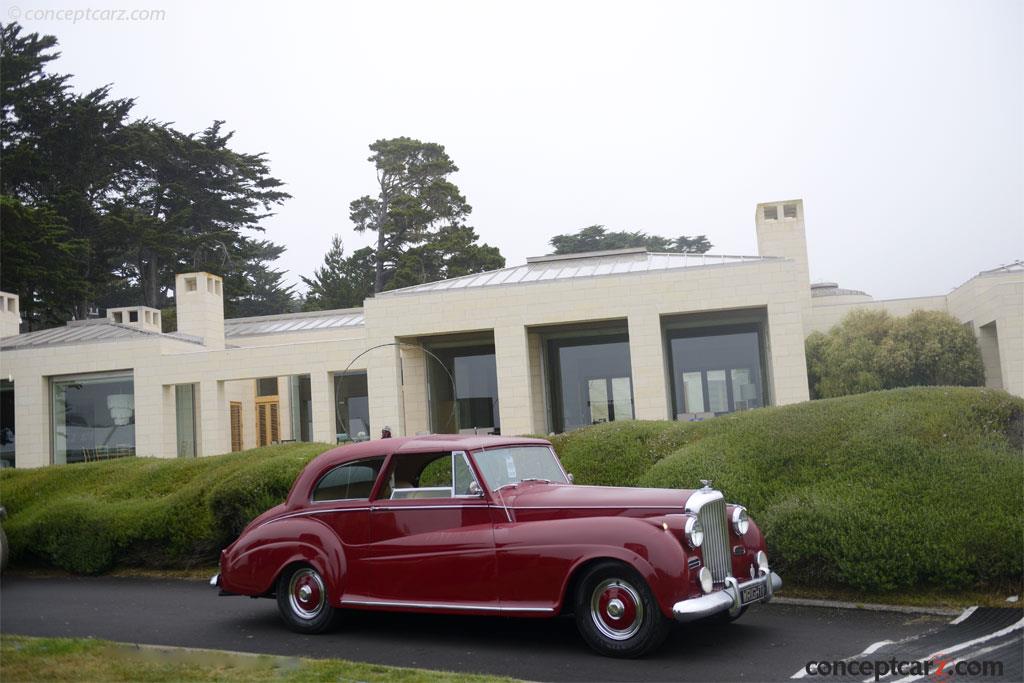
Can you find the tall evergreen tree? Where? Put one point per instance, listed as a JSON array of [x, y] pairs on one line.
[[128, 202], [598, 238], [419, 217], [342, 281]]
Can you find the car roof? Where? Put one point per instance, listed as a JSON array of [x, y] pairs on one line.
[[407, 444]]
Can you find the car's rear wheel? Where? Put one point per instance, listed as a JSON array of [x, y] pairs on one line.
[[302, 600], [616, 612]]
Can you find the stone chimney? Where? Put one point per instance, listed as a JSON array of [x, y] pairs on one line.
[[780, 232], [199, 298], [10, 315], [140, 317]]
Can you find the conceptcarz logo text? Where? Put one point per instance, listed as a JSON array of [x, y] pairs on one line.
[[939, 668]]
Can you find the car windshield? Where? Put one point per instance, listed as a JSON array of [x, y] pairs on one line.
[[514, 464]]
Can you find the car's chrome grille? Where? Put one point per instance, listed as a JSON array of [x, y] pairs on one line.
[[716, 539]]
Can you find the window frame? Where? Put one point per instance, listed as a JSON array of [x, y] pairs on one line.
[[331, 470], [724, 328], [451, 489]]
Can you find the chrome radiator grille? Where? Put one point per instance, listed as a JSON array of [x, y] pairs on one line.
[[716, 539]]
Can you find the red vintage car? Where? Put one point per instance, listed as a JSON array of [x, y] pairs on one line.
[[494, 525]]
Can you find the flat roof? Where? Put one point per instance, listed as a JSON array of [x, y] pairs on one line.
[[585, 265], [293, 322], [87, 332]]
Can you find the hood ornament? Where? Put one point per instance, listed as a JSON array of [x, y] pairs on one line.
[[706, 482]]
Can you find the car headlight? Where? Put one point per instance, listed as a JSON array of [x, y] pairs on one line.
[[694, 532], [740, 520]]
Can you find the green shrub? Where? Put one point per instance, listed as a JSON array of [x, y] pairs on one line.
[[871, 350], [89, 517], [619, 453], [883, 491]]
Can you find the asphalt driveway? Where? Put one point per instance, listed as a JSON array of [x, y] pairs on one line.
[[771, 642]]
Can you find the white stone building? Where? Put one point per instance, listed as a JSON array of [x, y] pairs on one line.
[[551, 345]]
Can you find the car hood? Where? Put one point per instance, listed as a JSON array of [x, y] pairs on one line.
[[547, 496]]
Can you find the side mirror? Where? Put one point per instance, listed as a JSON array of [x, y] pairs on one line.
[[572, 479], [475, 490]]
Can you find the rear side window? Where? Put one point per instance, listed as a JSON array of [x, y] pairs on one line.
[[351, 481]]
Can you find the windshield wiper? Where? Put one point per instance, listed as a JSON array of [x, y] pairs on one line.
[[546, 481]]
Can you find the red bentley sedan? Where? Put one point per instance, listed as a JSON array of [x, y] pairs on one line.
[[494, 525]]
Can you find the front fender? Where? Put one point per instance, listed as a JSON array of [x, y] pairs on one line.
[[537, 564], [251, 565]]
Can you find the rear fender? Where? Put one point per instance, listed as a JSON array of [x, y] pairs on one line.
[[253, 563]]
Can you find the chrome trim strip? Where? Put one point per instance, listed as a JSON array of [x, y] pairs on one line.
[[395, 508], [444, 605], [593, 507], [372, 508], [306, 513]]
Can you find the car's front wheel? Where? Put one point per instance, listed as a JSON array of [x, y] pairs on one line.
[[302, 600], [616, 612]]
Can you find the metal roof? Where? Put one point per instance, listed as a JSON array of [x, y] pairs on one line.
[[293, 322], [590, 264], [1015, 267], [85, 332], [819, 289]]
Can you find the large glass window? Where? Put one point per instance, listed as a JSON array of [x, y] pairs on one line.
[[300, 403], [472, 404], [6, 423], [93, 418], [185, 418], [591, 381], [716, 370], [351, 407]]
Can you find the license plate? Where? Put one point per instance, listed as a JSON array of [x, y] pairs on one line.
[[753, 593]]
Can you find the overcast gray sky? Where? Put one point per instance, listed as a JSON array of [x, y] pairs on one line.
[[900, 124]]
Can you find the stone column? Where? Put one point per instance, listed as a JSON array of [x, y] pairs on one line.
[[321, 388], [647, 360], [214, 419], [515, 385]]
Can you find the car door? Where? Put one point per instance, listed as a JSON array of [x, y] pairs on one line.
[[341, 499], [431, 539]]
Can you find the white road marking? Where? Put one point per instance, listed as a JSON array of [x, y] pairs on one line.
[[873, 647], [966, 613], [961, 646]]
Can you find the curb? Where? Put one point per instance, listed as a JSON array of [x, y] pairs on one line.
[[868, 606]]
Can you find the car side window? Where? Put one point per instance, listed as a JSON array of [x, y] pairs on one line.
[[428, 475], [351, 481]]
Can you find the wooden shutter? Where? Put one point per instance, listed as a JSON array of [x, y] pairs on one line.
[[261, 424], [236, 426], [275, 424]]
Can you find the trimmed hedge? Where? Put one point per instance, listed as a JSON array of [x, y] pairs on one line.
[[151, 512], [884, 491], [906, 489]]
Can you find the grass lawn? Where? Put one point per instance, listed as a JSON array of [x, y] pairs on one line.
[[85, 660]]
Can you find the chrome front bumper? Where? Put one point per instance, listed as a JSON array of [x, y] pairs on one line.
[[728, 599], [215, 580]]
